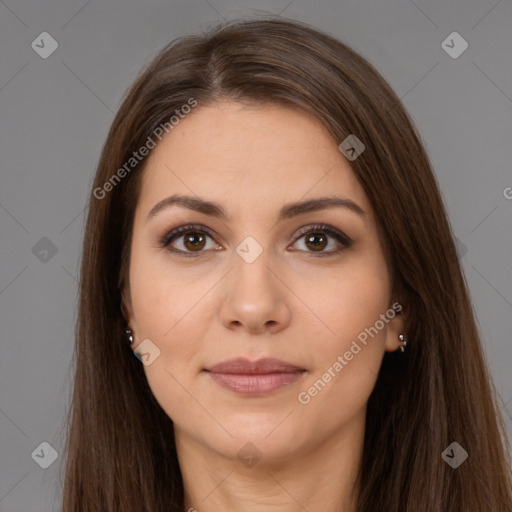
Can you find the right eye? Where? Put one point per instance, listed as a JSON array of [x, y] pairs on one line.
[[192, 238]]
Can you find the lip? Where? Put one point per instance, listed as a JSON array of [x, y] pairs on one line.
[[255, 377], [241, 365]]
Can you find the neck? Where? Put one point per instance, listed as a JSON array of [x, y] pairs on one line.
[[317, 477]]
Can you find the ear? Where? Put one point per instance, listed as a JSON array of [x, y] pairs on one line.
[[127, 310], [396, 326]]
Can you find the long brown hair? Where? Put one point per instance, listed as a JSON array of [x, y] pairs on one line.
[[120, 452]]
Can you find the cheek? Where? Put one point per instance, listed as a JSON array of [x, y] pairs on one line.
[[349, 305], [162, 295], [170, 316], [348, 299], [346, 364], [165, 313], [172, 310]]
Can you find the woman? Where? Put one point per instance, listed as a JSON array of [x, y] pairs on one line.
[[266, 235]]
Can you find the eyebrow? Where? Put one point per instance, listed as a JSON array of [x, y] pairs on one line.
[[288, 211]]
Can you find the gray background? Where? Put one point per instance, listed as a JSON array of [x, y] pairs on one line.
[[55, 114]]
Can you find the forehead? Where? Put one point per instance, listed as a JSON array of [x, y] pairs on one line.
[[248, 155]]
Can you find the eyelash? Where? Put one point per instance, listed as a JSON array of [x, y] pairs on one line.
[[340, 237]]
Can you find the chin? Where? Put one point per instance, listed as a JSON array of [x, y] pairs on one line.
[[253, 442]]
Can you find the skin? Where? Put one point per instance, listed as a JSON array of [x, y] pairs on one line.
[[290, 303]]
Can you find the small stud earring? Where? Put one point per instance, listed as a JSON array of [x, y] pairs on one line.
[[401, 337], [129, 335]]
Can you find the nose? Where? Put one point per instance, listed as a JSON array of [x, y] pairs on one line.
[[255, 298]]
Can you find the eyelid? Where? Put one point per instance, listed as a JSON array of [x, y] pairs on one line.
[[333, 232], [325, 228], [173, 233]]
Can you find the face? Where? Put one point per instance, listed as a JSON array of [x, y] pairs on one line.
[[306, 285]]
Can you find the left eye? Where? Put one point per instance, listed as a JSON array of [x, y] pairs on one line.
[[193, 240], [317, 238]]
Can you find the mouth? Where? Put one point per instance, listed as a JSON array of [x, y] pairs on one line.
[[255, 377]]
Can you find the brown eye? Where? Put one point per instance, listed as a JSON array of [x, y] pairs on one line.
[[194, 241], [189, 240], [316, 238], [316, 241]]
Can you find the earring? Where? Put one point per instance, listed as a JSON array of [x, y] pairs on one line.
[[129, 335], [401, 337]]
